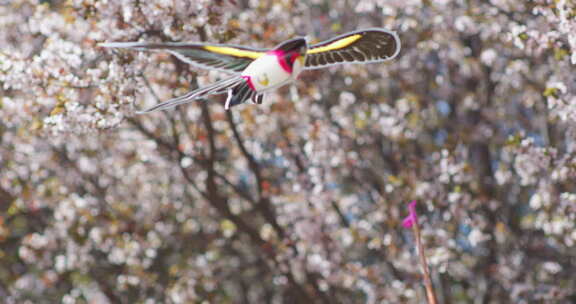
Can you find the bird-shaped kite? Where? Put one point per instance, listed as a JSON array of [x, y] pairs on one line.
[[256, 71]]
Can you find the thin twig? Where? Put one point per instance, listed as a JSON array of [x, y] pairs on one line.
[[430, 293]]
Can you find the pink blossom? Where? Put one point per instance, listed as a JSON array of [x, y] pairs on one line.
[[412, 218]]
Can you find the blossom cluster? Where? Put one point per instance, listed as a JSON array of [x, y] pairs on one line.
[[300, 199]]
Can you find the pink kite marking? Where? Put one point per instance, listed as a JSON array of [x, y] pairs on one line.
[[280, 56], [249, 81]]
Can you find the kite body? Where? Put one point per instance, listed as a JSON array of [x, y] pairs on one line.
[[256, 71]]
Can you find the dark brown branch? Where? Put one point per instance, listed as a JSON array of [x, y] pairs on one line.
[[216, 200], [252, 163], [343, 219], [264, 205]]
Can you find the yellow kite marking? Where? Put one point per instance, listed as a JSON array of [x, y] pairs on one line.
[[301, 60], [263, 80], [225, 50], [336, 45]]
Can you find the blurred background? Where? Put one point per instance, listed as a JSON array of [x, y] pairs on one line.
[[298, 200]]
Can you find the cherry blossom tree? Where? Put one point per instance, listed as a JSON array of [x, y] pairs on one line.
[[300, 199]]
